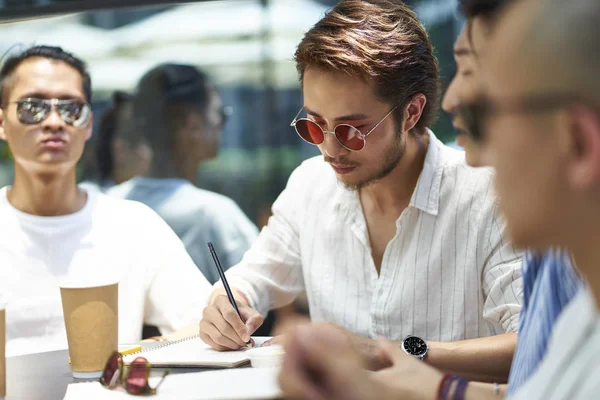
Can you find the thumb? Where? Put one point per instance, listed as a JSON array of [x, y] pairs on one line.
[[252, 318]]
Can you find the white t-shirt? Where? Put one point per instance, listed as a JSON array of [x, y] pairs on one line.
[[109, 239], [571, 367]]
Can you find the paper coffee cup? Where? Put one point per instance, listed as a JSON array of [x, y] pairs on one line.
[[91, 315], [2, 351]]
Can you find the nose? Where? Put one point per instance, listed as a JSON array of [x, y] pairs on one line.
[[53, 122], [450, 101], [331, 147]]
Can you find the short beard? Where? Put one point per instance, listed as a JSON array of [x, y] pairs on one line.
[[391, 158]]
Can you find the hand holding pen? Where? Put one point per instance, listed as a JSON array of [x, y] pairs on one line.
[[227, 324]]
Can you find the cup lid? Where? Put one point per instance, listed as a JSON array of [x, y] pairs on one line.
[[85, 283]]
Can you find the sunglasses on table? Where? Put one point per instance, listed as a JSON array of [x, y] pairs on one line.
[[73, 112], [476, 114], [348, 136], [135, 381]]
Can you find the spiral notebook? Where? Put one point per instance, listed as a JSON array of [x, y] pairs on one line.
[[192, 352]]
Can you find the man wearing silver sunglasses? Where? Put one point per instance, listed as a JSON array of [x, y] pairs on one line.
[[389, 233], [52, 231]]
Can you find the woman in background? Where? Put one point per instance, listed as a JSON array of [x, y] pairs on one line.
[[110, 159]]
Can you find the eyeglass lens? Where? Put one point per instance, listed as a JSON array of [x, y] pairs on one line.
[[346, 135], [137, 377], [136, 381], [34, 111]]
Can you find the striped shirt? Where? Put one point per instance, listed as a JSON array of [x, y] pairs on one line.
[[549, 284], [571, 367], [447, 274]]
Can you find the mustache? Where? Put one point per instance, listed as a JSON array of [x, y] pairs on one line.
[[341, 161]]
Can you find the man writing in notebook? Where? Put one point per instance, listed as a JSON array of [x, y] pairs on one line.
[[53, 231], [389, 233]]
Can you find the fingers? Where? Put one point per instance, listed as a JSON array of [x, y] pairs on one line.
[[295, 378], [222, 328], [206, 338], [376, 360], [420, 381], [223, 343], [253, 319], [319, 363], [231, 317]]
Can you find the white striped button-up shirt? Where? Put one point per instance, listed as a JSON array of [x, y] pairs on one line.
[[448, 273]]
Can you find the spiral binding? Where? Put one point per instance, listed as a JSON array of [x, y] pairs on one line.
[[164, 344]]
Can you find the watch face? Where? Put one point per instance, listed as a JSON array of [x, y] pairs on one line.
[[415, 345]]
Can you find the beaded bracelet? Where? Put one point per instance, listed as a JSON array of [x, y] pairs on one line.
[[444, 386], [461, 388]]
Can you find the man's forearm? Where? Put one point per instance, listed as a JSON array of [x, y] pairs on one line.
[[484, 359]]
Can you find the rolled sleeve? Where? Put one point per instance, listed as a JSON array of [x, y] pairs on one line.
[[502, 279]]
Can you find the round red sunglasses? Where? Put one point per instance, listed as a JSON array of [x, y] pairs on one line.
[[347, 136], [135, 381]]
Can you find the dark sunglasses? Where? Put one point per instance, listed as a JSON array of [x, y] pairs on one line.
[[32, 111], [475, 115], [135, 382], [347, 136]]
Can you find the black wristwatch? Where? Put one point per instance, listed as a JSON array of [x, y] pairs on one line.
[[415, 346]]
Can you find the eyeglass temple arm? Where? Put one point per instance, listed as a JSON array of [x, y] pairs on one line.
[[296, 117], [379, 123], [153, 390]]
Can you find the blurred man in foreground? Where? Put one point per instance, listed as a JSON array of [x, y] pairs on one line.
[[549, 279]]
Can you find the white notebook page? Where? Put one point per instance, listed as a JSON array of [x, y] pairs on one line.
[[193, 352]]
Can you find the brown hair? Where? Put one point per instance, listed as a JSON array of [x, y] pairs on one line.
[[378, 40]]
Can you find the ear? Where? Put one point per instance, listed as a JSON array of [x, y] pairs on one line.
[[413, 111], [584, 158], [2, 133]]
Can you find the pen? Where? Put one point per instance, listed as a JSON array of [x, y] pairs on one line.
[[213, 253]]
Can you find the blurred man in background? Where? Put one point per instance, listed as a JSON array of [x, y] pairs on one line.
[[52, 231], [179, 114]]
